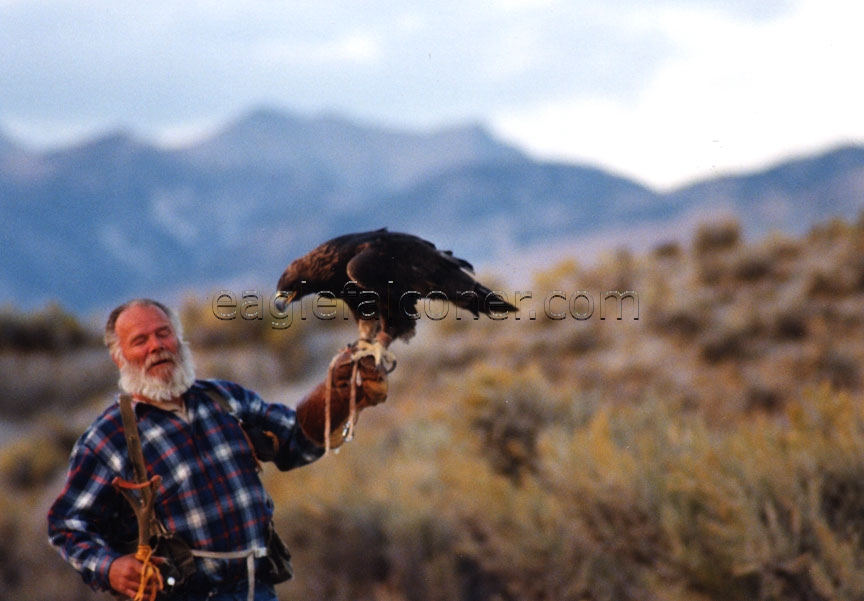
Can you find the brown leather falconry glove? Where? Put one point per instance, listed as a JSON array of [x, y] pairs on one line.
[[328, 413]]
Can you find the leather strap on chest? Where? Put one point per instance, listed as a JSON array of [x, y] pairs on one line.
[[264, 443]]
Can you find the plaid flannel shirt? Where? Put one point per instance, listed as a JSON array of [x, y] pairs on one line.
[[211, 494]]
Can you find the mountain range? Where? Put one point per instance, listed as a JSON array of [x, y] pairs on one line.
[[116, 216]]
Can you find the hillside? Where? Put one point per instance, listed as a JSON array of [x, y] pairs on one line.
[[90, 225], [709, 450]]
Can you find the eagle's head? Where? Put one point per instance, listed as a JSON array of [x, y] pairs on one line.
[[309, 274], [289, 287]]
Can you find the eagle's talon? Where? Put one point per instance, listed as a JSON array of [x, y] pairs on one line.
[[382, 356]]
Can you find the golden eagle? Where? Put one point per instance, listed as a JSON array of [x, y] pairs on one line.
[[381, 276]]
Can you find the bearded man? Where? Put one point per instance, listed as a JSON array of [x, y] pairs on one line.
[[195, 435]]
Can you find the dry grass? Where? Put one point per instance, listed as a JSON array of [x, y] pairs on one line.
[[711, 449]]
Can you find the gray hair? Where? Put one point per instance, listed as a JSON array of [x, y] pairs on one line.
[[111, 340]]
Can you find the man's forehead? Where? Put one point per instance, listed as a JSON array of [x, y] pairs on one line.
[[141, 317]]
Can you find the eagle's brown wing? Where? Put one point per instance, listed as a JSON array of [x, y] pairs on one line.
[[398, 270]]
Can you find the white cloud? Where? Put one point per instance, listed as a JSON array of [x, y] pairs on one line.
[[353, 48], [734, 94]]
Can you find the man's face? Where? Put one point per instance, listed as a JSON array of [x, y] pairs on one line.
[[147, 341], [155, 364]]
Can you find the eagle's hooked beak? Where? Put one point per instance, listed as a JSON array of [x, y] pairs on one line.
[[283, 299]]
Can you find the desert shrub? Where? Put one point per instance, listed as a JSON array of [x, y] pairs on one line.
[[646, 503], [836, 281], [745, 514], [683, 321], [50, 329], [668, 251], [790, 324], [29, 568], [716, 237], [509, 411], [10, 578], [43, 381], [36, 460], [752, 267], [759, 397], [351, 546], [724, 345], [839, 369]]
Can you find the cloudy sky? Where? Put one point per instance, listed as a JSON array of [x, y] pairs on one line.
[[664, 91]]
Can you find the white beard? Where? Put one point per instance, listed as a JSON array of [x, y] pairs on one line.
[[135, 381]]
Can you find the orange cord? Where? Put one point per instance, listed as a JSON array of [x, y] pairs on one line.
[[151, 577]]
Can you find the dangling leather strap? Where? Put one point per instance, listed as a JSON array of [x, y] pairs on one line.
[[265, 446]]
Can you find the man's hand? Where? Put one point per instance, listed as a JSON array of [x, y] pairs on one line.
[[370, 389], [124, 575]]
